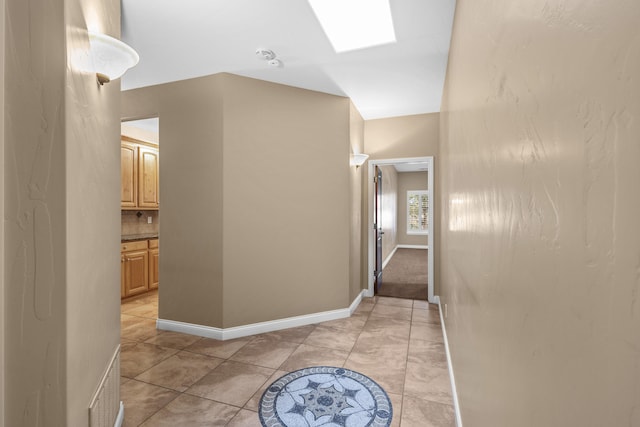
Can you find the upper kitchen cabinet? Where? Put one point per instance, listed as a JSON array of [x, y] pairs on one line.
[[148, 178], [129, 174], [139, 175]]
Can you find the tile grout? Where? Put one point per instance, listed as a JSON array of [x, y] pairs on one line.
[[366, 315]]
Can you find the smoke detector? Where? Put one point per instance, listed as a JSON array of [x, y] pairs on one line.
[[265, 54]]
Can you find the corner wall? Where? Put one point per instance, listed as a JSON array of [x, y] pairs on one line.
[[540, 246], [255, 199], [61, 306], [191, 194]]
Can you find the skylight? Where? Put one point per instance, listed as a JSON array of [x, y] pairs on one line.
[[355, 24]]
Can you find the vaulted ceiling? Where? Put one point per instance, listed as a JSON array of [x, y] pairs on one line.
[[183, 39]]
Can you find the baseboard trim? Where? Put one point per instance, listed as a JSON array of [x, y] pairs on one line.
[[454, 391], [120, 417], [356, 302], [255, 328], [387, 259], [412, 246]]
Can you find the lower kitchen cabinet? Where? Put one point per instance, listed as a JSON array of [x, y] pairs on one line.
[[135, 268], [154, 256]]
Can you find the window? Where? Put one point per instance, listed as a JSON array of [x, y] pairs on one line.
[[417, 212]]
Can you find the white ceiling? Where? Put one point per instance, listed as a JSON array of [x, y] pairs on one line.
[[183, 39]]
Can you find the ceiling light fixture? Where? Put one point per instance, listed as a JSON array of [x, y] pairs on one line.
[[355, 24], [358, 160], [110, 57]]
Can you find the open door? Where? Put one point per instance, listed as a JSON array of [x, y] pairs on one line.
[[377, 226]]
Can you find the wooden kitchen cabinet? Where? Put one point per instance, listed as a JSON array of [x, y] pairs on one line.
[[139, 175], [129, 174], [148, 178], [135, 268], [154, 257]]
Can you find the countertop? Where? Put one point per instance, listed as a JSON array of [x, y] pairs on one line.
[[133, 237]]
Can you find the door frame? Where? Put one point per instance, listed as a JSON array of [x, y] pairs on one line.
[[371, 241]]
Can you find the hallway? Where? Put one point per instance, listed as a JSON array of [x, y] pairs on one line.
[[172, 379]]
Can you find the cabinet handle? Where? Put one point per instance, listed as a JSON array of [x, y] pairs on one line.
[[124, 248]]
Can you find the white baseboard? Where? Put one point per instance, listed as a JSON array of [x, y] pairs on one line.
[[256, 328], [387, 259], [356, 302], [454, 391], [120, 417], [413, 246], [367, 293]]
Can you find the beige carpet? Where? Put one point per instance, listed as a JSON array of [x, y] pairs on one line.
[[405, 276]]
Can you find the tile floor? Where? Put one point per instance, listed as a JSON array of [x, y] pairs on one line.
[[172, 379]]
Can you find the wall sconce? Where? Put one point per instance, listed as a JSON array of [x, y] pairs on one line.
[[358, 159], [111, 58]]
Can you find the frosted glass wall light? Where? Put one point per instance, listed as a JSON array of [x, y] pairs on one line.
[[111, 58], [358, 159]]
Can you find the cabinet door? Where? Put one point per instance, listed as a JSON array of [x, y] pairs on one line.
[[136, 272], [129, 175], [154, 256], [122, 277], [148, 178]]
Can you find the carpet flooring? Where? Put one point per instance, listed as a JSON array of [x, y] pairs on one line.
[[405, 276]]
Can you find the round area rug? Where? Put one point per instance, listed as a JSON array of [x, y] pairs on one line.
[[325, 396]]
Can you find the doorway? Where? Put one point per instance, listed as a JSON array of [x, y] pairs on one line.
[[140, 207], [414, 164]]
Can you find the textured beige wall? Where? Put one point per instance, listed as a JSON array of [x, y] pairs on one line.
[[406, 136], [62, 271], [226, 138], [356, 251], [541, 247], [92, 126], [35, 222], [389, 210], [286, 154], [409, 181], [191, 171]]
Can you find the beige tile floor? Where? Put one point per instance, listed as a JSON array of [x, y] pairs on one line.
[[172, 379]]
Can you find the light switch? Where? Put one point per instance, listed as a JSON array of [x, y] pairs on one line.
[[149, 220]]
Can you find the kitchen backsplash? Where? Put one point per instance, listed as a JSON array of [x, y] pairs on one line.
[[132, 224]]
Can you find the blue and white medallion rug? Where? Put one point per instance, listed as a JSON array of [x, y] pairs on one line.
[[325, 396]]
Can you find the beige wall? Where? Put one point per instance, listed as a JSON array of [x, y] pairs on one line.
[[2, 270], [227, 140], [61, 271], [540, 254], [286, 152], [389, 210], [35, 224], [399, 137], [356, 259], [409, 181], [92, 128], [191, 174], [405, 136]]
